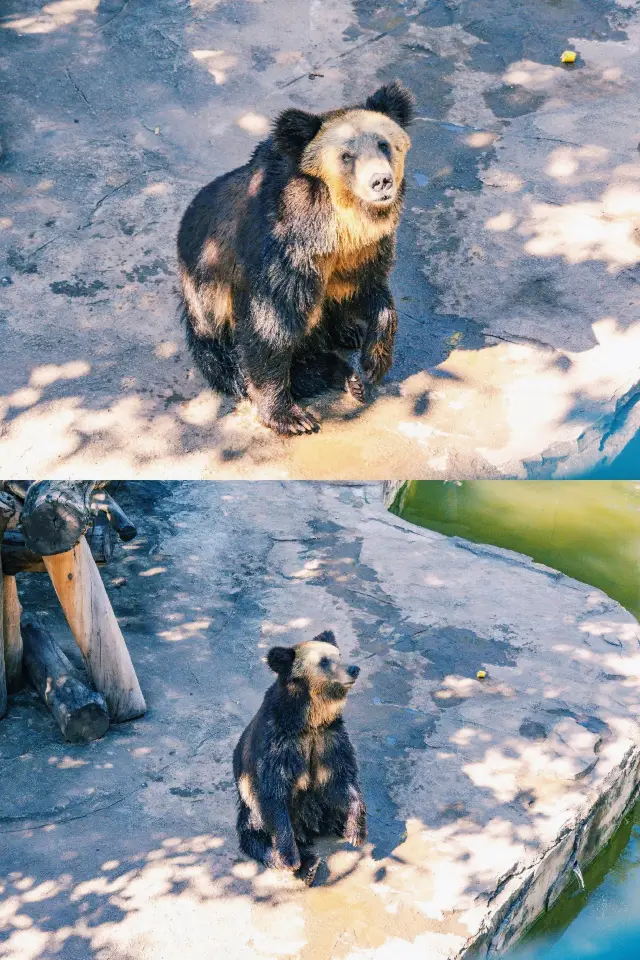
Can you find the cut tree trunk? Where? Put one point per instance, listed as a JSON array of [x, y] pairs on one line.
[[12, 636], [80, 590], [55, 514], [79, 711]]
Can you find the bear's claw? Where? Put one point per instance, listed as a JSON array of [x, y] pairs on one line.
[[309, 868], [293, 421], [355, 387]]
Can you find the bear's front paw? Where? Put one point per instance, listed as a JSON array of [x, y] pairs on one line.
[[291, 421], [376, 360], [287, 858], [356, 836], [309, 868], [355, 387]]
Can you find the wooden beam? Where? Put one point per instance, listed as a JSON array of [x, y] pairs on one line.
[[7, 511], [12, 635], [4, 700], [118, 519], [17, 558], [80, 590], [79, 711]]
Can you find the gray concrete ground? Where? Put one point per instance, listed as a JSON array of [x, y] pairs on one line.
[[517, 281], [481, 795]]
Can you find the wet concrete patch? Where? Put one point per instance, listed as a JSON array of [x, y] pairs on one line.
[[77, 288], [512, 101], [142, 272]]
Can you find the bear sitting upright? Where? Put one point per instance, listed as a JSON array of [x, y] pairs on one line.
[[294, 765], [285, 262]]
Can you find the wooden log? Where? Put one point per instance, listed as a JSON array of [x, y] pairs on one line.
[[4, 700], [55, 514], [17, 487], [12, 635], [7, 511], [118, 519], [79, 711], [93, 623], [17, 558], [101, 537]]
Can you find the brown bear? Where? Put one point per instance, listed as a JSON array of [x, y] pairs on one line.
[[284, 262], [294, 765]]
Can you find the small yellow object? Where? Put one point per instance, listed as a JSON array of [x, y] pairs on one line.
[[569, 56], [481, 674]]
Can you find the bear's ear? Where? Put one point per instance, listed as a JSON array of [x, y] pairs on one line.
[[280, 659], [395, 101], [293, 130], [327, 636]]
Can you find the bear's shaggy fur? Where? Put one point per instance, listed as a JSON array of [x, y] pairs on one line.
[[294, 765], [284, 262]]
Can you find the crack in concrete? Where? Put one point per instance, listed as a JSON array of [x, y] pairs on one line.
[[122, 9], [76, 87], [121, 186]]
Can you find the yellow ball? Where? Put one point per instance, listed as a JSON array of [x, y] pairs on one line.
[[569, 56], [481, 674]]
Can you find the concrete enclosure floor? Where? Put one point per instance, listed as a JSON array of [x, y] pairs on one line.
[[517, 276], [481, 794]]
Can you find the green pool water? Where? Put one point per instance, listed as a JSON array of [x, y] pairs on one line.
[[591, 531], [603, 922]]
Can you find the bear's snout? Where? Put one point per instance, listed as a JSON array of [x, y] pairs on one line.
[[381, 182], [353, 672]]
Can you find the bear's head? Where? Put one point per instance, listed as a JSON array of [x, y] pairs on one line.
[[359, 152], [317, 667]]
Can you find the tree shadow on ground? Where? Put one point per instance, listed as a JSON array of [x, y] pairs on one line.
[[133, 119]]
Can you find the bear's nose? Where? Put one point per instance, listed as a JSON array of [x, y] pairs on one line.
[[381, 182], [353, 672]]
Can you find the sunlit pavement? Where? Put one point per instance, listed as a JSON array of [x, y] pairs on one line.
[[517, 278], [481, 794]]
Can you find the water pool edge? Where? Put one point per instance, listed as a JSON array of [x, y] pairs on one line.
[[528, 892]]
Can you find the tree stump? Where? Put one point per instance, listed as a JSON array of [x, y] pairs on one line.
[[86, 606], [80, 712]]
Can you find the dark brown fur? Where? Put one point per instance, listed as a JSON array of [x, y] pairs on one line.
[[294, 765], [284, 262]]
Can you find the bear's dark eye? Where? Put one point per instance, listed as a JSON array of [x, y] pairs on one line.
[[324, 663], [347, 157], [384, 147]]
